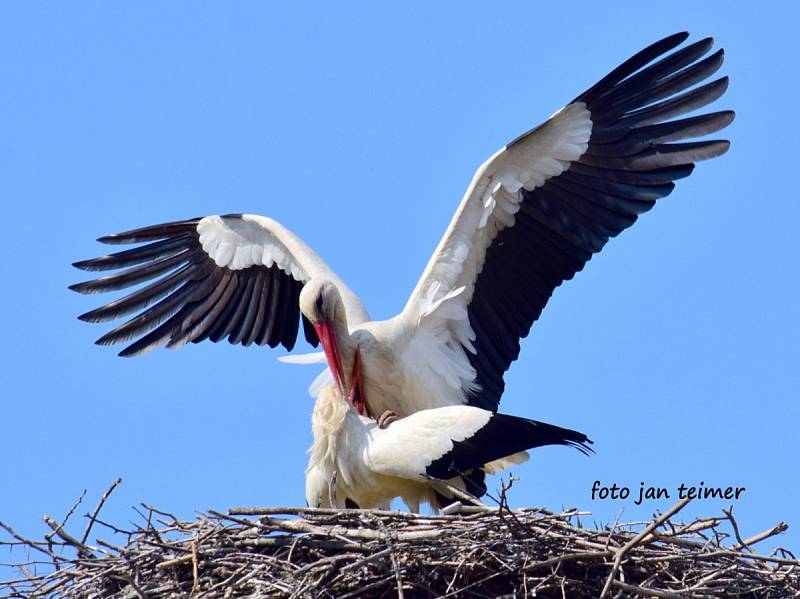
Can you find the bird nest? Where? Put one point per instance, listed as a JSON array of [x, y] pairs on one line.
[[470, 551]]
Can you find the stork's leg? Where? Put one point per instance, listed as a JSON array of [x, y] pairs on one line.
[[386, 419], [332, 491]]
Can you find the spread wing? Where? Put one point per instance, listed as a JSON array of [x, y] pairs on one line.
[[538, 209], [236, 276]]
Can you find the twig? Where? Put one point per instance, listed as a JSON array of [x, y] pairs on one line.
[[630, 588], [67, 517], [97, 509], [771, 532], [729, 513], [27, 542], [195, 577]]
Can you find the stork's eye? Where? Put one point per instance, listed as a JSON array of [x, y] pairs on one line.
[[318, 305]]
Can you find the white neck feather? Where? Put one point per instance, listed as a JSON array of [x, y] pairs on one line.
[[327, 421]]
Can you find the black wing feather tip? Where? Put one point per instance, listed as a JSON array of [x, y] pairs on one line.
[[144, 297], [133, 352], [583, 446], [152, 232], [138, 274], [654, 73], [138, 255], [633, 64]]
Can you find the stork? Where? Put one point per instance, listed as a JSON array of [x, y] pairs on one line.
[[534, 214], [422, 458]]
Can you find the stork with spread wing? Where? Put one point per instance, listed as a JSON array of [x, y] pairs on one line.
[[533, 215]]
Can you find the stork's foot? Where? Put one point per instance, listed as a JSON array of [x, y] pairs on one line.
[[386, 419]]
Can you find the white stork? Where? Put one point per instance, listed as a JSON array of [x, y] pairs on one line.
[[534, 214], [355, 462]]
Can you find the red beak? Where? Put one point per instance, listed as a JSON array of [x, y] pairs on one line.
[[327, 337]]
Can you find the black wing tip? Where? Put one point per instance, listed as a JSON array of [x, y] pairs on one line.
[[124, 238], [84, 264], [89, 317], [85, 287], [584, 446], [117, 336], [680, 37], [113, 239], [728, 115], [151, 232], [717, 57], [672, 40], [106, 339], [648, 55], [717, 148], [132, 351]]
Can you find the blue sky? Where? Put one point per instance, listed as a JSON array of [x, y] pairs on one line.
[[359, 128]]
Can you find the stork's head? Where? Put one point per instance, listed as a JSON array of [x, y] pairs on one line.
[[322, 305], [320, 301]]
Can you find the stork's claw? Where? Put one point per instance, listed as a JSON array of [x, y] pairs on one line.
[[386, 419]]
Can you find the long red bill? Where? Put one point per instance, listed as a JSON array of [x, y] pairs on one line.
[[327, 336]]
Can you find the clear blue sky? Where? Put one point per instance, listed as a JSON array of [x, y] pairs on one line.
[[676, 350]]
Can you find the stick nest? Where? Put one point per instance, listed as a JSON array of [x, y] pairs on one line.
[[481, 552]]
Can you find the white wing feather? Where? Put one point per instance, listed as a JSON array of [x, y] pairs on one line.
[[317, 357]]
